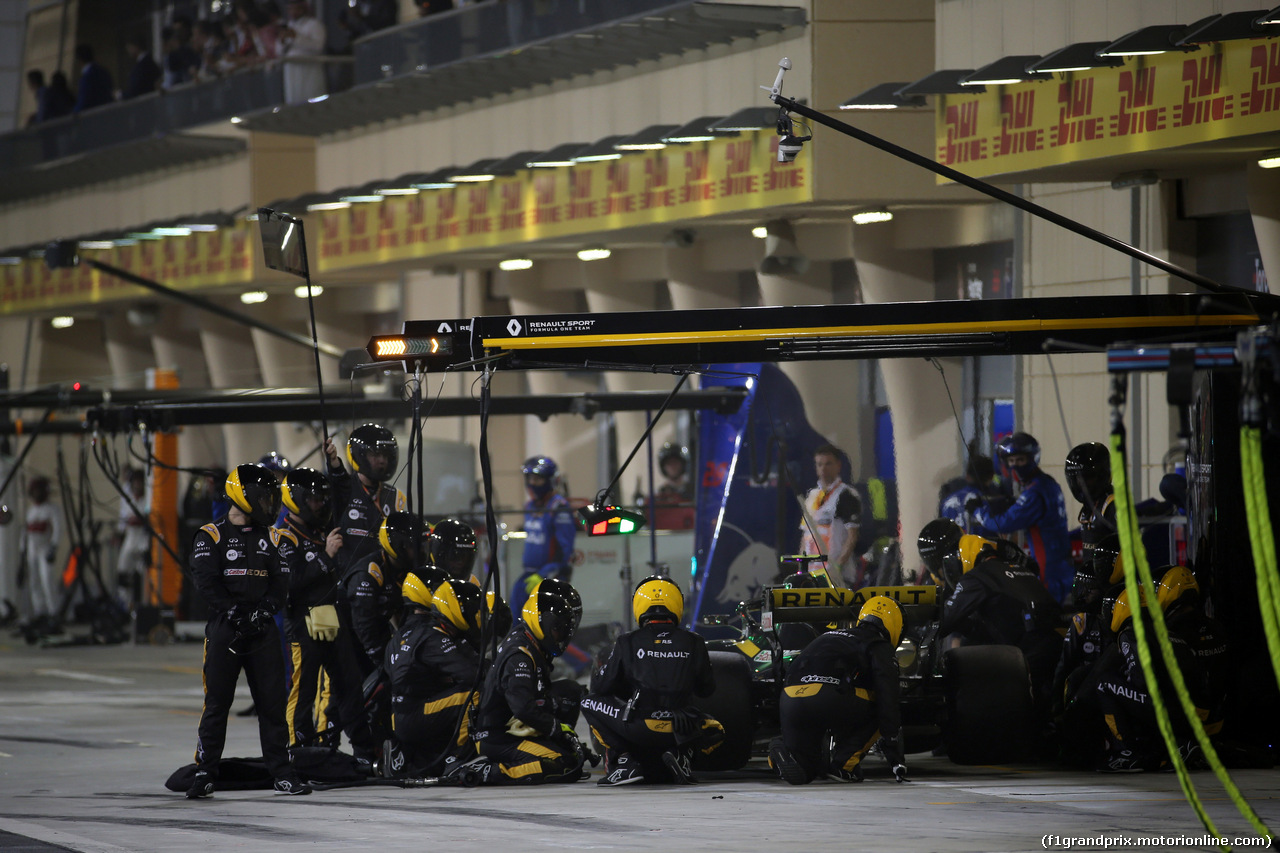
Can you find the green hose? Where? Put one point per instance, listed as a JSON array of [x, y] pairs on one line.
[[1261, 540], [1139, 587]]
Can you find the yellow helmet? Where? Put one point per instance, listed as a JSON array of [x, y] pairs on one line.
[[971, 545], [887, 614], [459, 603], [419, 585], [657, 597], [1176, 583]]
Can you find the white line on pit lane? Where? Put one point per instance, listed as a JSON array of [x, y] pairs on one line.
[[83, 676]]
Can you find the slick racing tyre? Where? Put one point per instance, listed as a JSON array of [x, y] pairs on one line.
[[989, 705], [731, 705]]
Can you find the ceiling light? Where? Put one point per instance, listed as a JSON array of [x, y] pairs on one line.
[[318, 99], [171, 231], [301, 291], [363, 194], [943, 82], [328, 205], [883, 97], [96, 244], [1234, 25], [600, 150], [200, 226], [698, 130], [594, 254], [649, 139], [1149, 41], [1270, 160], [437, 180], [253, 297], [866, 217], [1080, 56], [62, 322], [561, 155], [398, 190], [9, 260], [1272, 17], [236, 119], [477, 172], [747, 118], [759, 232], [512, 163], [513, 264], [1005, 72]]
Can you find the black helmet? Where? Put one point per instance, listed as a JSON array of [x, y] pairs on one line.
[[551, 615], [939, 547], [673, 451], [306, 494], [1019, 443], [401, 536], [255, 492], [1088, 471], [453, 547], [368, 440], [459, 603]]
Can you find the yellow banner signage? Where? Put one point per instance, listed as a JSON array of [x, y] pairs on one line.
[[201, 259], [1226, 89], [644, 188]]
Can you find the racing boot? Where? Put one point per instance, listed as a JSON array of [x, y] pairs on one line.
[[625, 771], [785, 765], [678, 762], [201, 787], [292, 785]]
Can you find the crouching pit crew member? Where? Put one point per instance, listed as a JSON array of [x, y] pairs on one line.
[[434, 665], [638, 708], [307, 547], [842, 692], [235, 567], [524, 732]]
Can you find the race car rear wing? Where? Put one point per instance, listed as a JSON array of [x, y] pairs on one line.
[[783, 604]]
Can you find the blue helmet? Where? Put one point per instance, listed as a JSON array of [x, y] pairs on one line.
[[275, 462], [544, 467], [1020, 443]]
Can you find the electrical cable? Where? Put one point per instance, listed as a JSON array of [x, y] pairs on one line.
[[1140, 589]]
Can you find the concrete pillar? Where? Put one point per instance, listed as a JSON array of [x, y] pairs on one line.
[[1263, 186], [924, 431], [693, 286], [129, 350], [232, 363], [554, 288], [175, 343]]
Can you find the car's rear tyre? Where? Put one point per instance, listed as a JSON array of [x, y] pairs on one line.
[[989, 705], [731, 705]]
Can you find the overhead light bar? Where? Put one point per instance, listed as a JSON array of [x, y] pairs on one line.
[[513, 264], [883, 96], [301, 291], [943, 82], [253, 297], [698, 130], [1270, 160], [96, 244], [1080, 56], [1005, 71], [558, 157], [477, 172], [1150, 41], [649, 139], [866, 217], [747, 119], [171, 231], [593, 254], [600, 150]]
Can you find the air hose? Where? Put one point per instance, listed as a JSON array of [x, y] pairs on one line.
[[1139, 587], [1257, 508]]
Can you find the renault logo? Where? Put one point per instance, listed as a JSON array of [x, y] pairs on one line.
[[513, 327], [444, 329]]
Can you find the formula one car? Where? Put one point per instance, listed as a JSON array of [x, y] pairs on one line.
[[975, 701]]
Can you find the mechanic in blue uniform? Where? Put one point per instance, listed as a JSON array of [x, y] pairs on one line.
[[639, 707], [978, 481], [523, 731], [1039, 510], [434, 666], [549, 528], [235, 566], [842, 693], [307, 543]]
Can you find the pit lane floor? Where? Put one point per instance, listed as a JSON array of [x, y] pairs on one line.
[[89, 734]]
